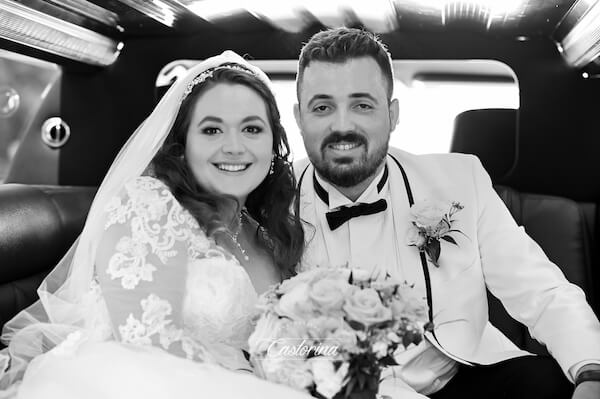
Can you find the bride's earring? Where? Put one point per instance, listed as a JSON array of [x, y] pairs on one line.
[[272, 169]]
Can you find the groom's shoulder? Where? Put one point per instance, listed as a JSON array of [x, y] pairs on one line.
[[446, 159], [300, 167]]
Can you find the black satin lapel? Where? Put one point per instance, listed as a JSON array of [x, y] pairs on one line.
[[411, 202], [429, 326]]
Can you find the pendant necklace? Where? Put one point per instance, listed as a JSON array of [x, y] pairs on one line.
[[234, 236]]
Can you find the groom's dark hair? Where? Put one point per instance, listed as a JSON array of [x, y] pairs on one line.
[[341, 45]]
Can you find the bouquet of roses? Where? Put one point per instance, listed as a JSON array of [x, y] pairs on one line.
[[330, 331]]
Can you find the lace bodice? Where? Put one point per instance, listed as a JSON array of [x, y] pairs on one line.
[[166, 283]]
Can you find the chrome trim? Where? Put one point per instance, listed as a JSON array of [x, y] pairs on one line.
[[30, 27], [571, 18], [582, 44], [90, 10], [167, 12], [55, 132]]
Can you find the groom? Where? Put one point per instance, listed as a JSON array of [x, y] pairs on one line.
[[356, 198]]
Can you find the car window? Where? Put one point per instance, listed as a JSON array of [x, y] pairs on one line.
[[24, 84], [431, 94]]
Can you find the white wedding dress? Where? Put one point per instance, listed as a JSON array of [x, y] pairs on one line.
[[172, 313]]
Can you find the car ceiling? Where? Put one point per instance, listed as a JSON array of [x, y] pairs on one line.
[[122, 19]]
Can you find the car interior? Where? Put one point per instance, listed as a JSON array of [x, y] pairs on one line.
[[107, 62]]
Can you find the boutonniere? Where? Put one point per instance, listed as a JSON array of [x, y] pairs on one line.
[[431, 222]]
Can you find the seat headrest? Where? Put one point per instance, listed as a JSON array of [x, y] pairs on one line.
[[38, 224], [491, 134]]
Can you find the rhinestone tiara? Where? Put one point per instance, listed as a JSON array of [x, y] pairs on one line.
[[209, 73]]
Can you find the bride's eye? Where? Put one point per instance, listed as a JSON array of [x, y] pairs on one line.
[[211, 130], [253, 129]]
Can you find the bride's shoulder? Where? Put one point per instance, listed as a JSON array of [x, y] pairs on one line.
[[143, 184], [142, 195], [146, 189]]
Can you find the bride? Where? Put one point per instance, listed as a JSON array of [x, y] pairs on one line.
[[190, 225]]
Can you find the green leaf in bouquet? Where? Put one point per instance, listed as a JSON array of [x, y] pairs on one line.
[[381, 325], [337, 364], [412, 337], [373, 382], [246, 354], [408, 338], [449, 239], [361, 386], [349, 387], [356, 325], [433, 251], [388, 361], [417, 338], [361, 380]]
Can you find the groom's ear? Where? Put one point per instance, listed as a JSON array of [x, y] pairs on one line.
[[297, 115], [394, 113]]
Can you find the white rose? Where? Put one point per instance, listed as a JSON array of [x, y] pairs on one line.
[[360, 275], [329, 294], [267, 329], [415, 237], [409, 305], [428, 213], [292, 282], [276, 368], [380, 349], [300, 379], [295, 329], [295, 304], [290, 372], [393, 337], [315, 274], [365, 307], [328, 381], [322, 326], [386, 287], [344, 338], [398, 308]]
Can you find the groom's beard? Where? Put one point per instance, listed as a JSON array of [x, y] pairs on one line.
[[348, 172]]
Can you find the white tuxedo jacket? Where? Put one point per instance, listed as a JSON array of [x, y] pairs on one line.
[[498, 255]]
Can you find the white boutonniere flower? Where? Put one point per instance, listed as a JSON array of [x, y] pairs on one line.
[[431, 221]]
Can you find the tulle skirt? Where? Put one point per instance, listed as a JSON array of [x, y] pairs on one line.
[[111, 370]]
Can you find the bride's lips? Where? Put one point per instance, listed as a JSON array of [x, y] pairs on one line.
[[232, 167]]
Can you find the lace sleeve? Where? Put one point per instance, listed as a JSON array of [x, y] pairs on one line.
[[141, 267]]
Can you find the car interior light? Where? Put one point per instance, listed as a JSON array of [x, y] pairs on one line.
[[167, 12], [33, 28], [582, 44], [90, 10]]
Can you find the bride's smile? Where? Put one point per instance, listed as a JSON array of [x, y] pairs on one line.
[[232, 167]]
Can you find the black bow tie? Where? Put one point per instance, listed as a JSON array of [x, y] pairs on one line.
[[344, 213], [340, 216]]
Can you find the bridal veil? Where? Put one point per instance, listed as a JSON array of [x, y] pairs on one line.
[[66, 302]]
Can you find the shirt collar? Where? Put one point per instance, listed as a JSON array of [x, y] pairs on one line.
[[334, 199]]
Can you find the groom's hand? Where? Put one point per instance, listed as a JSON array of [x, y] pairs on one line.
[[587, 390], [590, 388]]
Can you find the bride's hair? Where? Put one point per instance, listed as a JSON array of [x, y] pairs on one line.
[[270, 204]]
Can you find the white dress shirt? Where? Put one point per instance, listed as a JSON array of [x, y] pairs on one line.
[[369, 243], [377, 243]]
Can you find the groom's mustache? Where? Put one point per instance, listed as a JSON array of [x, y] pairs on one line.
[[346, 137]]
